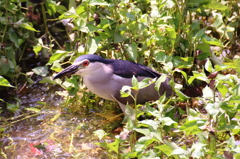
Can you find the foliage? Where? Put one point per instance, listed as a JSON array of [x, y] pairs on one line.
[[174, 37]]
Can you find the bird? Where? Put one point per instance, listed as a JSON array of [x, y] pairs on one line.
[[106, 77]]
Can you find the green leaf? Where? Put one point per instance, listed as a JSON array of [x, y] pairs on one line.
[[4, 82], [223, 89], [71, 85], [134, 83], [167, 121], [4, 65], [27, 26], [213, 109], [205, 48], [151, 123], [181, 95], [190, 127], [172, 35], [59, 56], [97, 2], [154, 112], [13, 37], [93, 45], [100, 133], [118, 37], [208, 66], [167, 149], [80, 9], [37, 48], [143, 142], [35, 110], [161, 57], [198, 150], [51, 7], [216, 5], [179, 151], [132, 50], [208, 93], [125, 91], [198, 75], [159, 81], [12, 107], [41, 70], [211, 41], [143, 131], [69, 14], [146, 82]]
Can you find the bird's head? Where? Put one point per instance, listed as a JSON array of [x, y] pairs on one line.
[[81, 66]]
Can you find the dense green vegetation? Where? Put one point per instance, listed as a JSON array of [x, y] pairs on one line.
[[196, 42]]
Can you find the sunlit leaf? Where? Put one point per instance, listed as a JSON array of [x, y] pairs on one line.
[[198, 150], [152, 123], [208, 93], [208, 66], [80, 9], [190, 127], [41, 70], [167, 149], [143, 131], [132, 50], [28, 27], [58, 56], [159, 81], [199, 75], [213, 109], [143, 142], [181, 95], [100, 133], [32, 109], [51, 7], [97, 2], [48, 80], [167, 121], [4, 82], [37, 48], [125, 91], [214, 4], [93, 45], [223, 89], [179, 151], [69, 14], [172, 35], [161, 57], [212, 41], [134, 83]]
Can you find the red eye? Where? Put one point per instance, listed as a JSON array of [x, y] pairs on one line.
[[85, 63]]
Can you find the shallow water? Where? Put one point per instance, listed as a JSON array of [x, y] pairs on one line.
[[50, 130]]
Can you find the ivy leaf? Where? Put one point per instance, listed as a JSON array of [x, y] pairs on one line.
[[4, 82], [132, 50]]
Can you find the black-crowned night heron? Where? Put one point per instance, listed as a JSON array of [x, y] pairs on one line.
[[106, 77]]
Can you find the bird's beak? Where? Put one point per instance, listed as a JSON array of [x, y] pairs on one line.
[[68, 71]]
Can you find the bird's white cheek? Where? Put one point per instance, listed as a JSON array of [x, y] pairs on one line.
[[79, 72]]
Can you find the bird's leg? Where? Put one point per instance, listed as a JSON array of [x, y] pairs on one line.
[[122, 106]]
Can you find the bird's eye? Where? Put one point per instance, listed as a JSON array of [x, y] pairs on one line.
[[85, 63]]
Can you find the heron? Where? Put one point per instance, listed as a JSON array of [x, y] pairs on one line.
[[106, 77]]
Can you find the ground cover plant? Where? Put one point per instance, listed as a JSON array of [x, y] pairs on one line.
[[196, 43]]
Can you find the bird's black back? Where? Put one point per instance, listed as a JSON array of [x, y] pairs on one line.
[[127, 69]]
